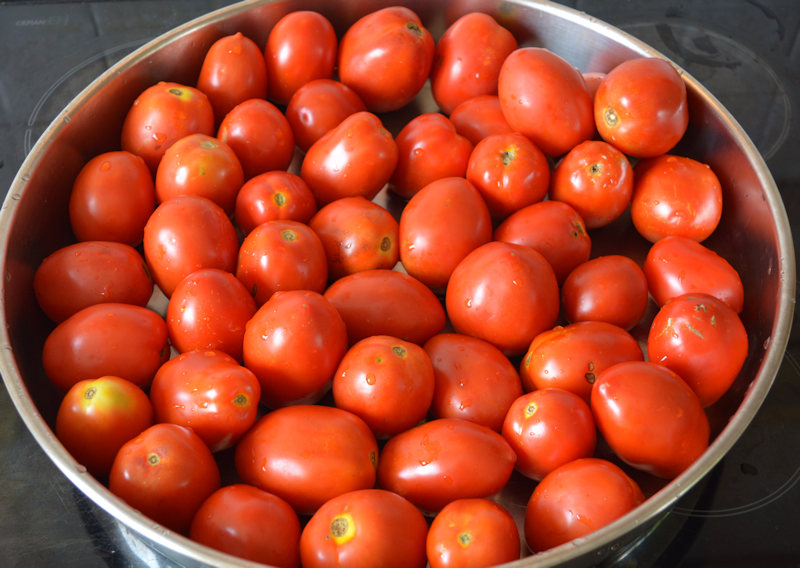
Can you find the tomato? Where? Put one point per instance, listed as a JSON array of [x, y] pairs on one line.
[[677, 265], [547, 428], [675, 195], [308, 454], [281, 255], [472, 532], [596, 179], [387, 302], [552, 228], [479, 117], [233, 519], [443, 460], [97, 416], [301, 47], [367, 527], [273, 195], [232, 72], [357, 235], [187, 233], [545, 98], [650, 417], [356, 157], [503, 293], [293, 344], [429, 149], [641, 108], [509, 171], [473, 379], [386, 57], [163, 114], [121, 340], [166, 472], [90, 272], [611, 288], [577, 499], [112, 198], [467, 59], [445, 221], [593, 80]]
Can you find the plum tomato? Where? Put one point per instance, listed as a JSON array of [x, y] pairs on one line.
[[650, 417], [308, 454], [479, 117], [273, 195], [593, 80]]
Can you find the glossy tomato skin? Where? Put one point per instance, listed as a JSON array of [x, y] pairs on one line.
[[366, 527], [233, 518], [150, 474], [97, 416], [90, 272], [479, 117], [112, 198], [273, 195], [308, 454], [293, 344], [121, 340], [386, 57], [650, 417]]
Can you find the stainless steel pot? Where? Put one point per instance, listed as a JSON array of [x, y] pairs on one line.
[[754, 236]]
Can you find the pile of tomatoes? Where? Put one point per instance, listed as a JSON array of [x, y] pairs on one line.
[[331, 381]]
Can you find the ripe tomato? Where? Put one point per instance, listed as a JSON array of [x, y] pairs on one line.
[[293, 344], [473, 379], [90, 272], [444, 460], [479, 117], [233, 518], [121, 340], [503, 293], [593, 80], [151, 473], [273, 195], [112, 198], [97, 416], [650, 417], [472, 532], [386, 57], [367, 527], [301, 47], [640, 107], [308, 454], [445, 221], [576, 499]]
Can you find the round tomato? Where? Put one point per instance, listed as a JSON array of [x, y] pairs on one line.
[[593, 80], [273, 195], [479, 117]]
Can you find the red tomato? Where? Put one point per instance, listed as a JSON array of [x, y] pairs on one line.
[[387, 302], [577, 499], [233, 518], [545, 98], [650, 417], [509, 171], [674, 195], [163, 114], [445, 221], [97, 416], [386, 57], [444, 460], [91, 272], [185, 234], [308, 454], [548, 428], [166, 473], [112, 198], [473, 379], [367, 527], [593, 80], [121, 340], [301, 47], [677, 265], [640, 107], [356, 157], [293, 344], [479, 117], [472, 532], [503, 293], [357, 235], [467, 59], [273, 195]]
